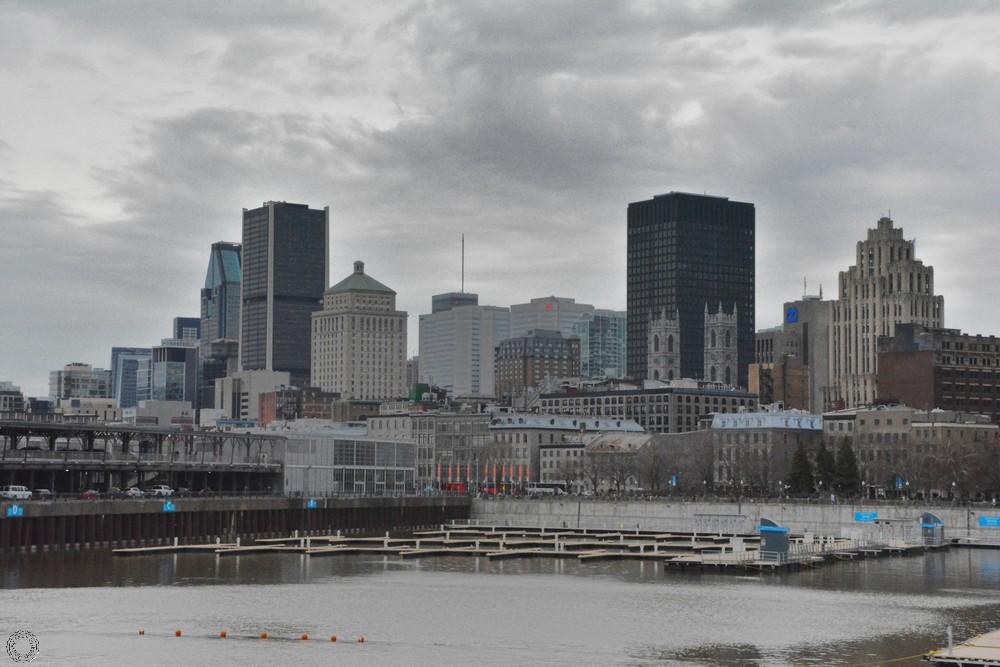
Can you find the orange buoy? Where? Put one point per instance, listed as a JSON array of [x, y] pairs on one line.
[[333, 638], [361, 639], [263, 635], [304, 636], [141, 632], [223, 634], [177, 633]]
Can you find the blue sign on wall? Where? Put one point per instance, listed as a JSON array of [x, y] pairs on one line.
[[791, 315], [311, 504], [772, 529], [15, 510], [673, 480], [169, 506], [989, 521], [865, 517], [899, 483]]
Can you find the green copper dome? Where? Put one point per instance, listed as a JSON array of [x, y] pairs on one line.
[[359, 282]]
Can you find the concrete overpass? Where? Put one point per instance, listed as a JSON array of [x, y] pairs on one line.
[[69, 458]]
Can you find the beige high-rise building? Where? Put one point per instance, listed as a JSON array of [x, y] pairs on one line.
[[887, 286], [359, 340]]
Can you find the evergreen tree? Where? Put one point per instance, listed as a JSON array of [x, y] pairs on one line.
[[800, 476], [825, 467], [847, 480]]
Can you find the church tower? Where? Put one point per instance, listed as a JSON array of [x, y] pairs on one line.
[[664, 355], [720, 346]]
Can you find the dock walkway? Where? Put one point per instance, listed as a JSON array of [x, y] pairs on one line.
[[981, 651], [678, 550]]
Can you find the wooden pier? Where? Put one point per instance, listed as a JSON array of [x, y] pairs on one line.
[[980, 651], [680, 550]]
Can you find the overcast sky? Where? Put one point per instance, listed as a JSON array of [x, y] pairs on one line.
[[132, 135]]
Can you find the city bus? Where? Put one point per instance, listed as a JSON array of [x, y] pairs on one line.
[[545, 489]]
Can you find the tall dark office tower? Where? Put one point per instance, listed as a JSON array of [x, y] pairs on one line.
[[285, 270], [686, 252]]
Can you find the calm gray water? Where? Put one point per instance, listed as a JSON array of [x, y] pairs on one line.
[[86, 609]]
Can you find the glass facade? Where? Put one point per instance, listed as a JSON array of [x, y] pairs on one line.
[[174, 373], [220, 319], [686, 251], [283, 282], [324, 465], [125, 363], [187, 328], [602, 344], [220, 298]]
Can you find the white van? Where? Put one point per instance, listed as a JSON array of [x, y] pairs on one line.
[[15, 493]]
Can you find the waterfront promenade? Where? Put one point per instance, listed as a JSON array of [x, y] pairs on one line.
[[977, 524]]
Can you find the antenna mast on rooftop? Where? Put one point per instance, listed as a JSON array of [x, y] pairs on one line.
[[463, 263]]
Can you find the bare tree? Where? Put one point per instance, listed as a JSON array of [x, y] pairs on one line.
[[652, 465]]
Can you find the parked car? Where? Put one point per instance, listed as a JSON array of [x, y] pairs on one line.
[[182, 492], [43, 494], [90, 494], [160, 491], [15, 493], [116, 493], [134, 492]]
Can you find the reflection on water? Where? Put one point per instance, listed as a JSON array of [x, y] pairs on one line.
[[87, 607]]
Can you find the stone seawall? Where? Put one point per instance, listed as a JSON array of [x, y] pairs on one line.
[[826, 519]]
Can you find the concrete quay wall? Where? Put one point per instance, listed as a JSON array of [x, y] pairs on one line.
[[825, 519]]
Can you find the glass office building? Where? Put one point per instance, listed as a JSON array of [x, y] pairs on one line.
[[686, 252], [125, 363], [173, 371], [220, 319], [285, 269], [603, 342]]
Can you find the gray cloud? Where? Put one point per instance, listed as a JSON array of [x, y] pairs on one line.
[[528, 126]]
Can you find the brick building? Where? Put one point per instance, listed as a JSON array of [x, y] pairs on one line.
[[659, 407], [290, 404], [520, 364], [928, 368]]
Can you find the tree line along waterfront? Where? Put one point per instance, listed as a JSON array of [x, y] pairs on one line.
[[889, 453]]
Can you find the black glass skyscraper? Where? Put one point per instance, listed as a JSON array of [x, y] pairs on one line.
[[687, 251], [285, 270]]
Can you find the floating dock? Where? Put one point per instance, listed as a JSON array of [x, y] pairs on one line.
[[980, 651], [676, 550]]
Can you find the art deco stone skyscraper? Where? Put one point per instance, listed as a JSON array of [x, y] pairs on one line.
[[886, 286]]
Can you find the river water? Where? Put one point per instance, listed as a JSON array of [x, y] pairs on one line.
[[86, 609]]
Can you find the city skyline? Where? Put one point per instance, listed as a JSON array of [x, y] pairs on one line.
[[822, 117]]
